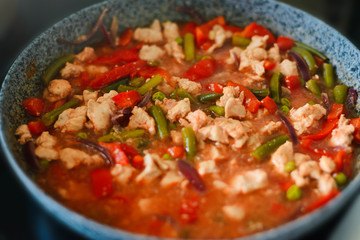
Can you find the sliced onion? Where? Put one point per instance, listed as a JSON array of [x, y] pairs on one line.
[[31, 159], [107, 36], [326, 101], [290, 128], [101, 150], [90, 34], [190, 173], [144, 100], [236, 58], [304, 70], [194, 14], [351, 98]]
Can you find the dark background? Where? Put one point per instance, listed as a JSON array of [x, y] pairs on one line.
[[22, 20]]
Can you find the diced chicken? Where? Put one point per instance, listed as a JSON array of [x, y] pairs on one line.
[[282, 155], [73, 157], [122, 174], [214, 153], [151, 170], [261, 113], [214, 133], [299, 180], [306, 117], [311, 169], [300, 158], [170, 179], [46, 140], [229, 92], [234, 55], [326, 184], [234, 212], [165, 87], [90, 95], [205, 167], [234, 128], [274, 54], [234, 107], [327, 164], [271, 127], [249, 181], [190, 86], [46, 153], [94, 70], [175, 109], [343, 134], [45, 147], [86, 55], [171, 31], [219, 35], [72, 120], [175, 50], [24, 133], [57, 89], [151, 53], [287, 68], [99, 115], [71, 71], [176, 137], [195, 120], [141, 119], [152, 34]]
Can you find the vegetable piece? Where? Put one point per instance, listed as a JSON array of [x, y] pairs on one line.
[[339, 160], [101, 181], [116, 73], [240, 41], [251, 102], [313, 87], [351, 98], [270, 146], [189, 142], [151, 84], [285, 102], [158, 96], [190, 173], [328, 74], [340, 178], [275, 87], [290, 128], [176, 152], [269, 104], [255, 29], [293, 193], [261, 93], [290, 166], [161, 122], [310, 49], [179, 41], [153, 63], [284, 43], [122, 136], [269, 65], [292, 82], [200, 70], [340, 93], [120, 56], [336, 111], [215, 87], [218, 110], [125, 37], [116, 152], [82, 135], [189, 46], [356, 123], [326, 101], [233, 29], [309, 59], [321, 201], [312, 103], [193, 13], [104, 153], [209, 97], [304, 70], [34, 106], [189, 28], [127, 99], [202, 31], [36, 127], [182, 93], [54, 68], [326, 129], [50, 117], [318, 152], [149, 72], [138, 161], [31, 159], [284, 109], [167, 156], [124, 88], [115, 85]]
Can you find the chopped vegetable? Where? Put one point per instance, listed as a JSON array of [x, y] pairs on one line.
[[160, 120], [115, 85], [190, 173], [292, 82], [275, 87], [158, 96], [309, 59], [127, 99], [218, 110], [284, 109], [327, 128], [179, 40], [304, 70], [100, 149], [251, 102], [310, 49], [82, 135], [322, 201], [101, 181], [136, 82], [255, 29], [122, 136], [293, 193], [176, 152], [261, 93], [285, 102], [200, 70], [182, 93], [189, 142], [340, 178], [215, 87], [270, 146], [54, 68], [268, 65], [34, 106], [284, 43], [328, 74], [340, 93], [313, 87], [151, 84], [336, 111], [290, 166], [289, 127], [50, 117], [209, 97], [269, 104], [167, 156], [123, 88], [36, 127], [117, 58], [116, 152], [189, 47], [126, 37], [351, 98], [240, 41]]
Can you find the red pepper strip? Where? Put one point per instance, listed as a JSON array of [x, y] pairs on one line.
[[327, 128], [335, 112], [251, 102], [285, 185], [101, 181], [269, 65], [189, 28], [322, 201], [189, 210], [34, 106], [126, 37], [176, 152], [36, 127], [138, 162], [255, 29], [269, 104], [284, 43], [200, 70], [356, 123], [120, 56], [319, 61], [205, 45], [116, 73], [307, 143], [339, 160], [215, 87], [84, 80], [130, 151], [116, 152], [127, 99], [292, 82], [202, 31], [232, 28], [149, 72]]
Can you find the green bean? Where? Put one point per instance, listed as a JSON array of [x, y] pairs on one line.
[[161, 122], [50, 117], [310, 49], [275, 86], [158, 96], [270, 146], [209, 97], [114, 86], [260, 93], [167, 156], [153, 63], [182, 93], [302, 81], [218, 110], [189, 47], [290, 166], [340, 93], [142, 143], [285, 102], [172, 95], [122, 136], [309, 59], [82, 135], [54, 68], [328, 74], [313, 87], [206, 57], [311, 102], [152, 83], [340, 178], [189, 142], [284, 109], [124, 88], [293, 193], [240, 41], [136, 82], [179, 41]]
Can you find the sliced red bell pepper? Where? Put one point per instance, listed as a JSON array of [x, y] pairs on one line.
[[292, 82], [269, 104], [232, 28], [356, 123], [138, 162], [307, 143], [339, 160], [116, 152], [84, 80], [36, 127], [321, 201], [130, 151], [205, 45], [200, 70], [284, 43], [34, 106], [202, 31], [269, 65], [119, 57], [189, 210], [255, 29], [148, 72], [126, 37], [319, 61], [101, 181], [116, 73], [127, 99], [176, 152], [336, 110], [285, 185], [348, 165], [189, 28], [215, 87], [327, 128], [251, 102]]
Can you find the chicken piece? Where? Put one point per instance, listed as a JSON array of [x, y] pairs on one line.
[[173, 49], [274, 54], [282, 155], [234, 212], [215, 153], [122, 174], [234, 128], [190, 86], [175, 109], [310, 169], [170, 179], [90, 95], [176, 137], [171, 31], [300, 158], [94, 70], [24, 133], [86, 55], [234, 107], [219, 35], [234, 54], [141, 119], [57, 89], [271, 127], [71, 120], [261, 113], [327, 164], [249, 181], [342, 135], [99, 115], [287, 68], [71, 71], [46, 140], [205, 167], [229, 92], [152, 34], [299, 180], [195, 120], [326, 184], [151, 53], [45, 147], [74, 157], [151, 171], [214, 133], [306, 117]]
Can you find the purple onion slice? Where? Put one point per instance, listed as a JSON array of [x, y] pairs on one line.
[[304, 70], [351, 98], [190, 173], [194, 14], [101, 150], [326, 101], [289, 127], [107, 36], [236, 58], [30, 157]]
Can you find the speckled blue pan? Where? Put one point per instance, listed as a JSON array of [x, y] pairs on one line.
[[22, 81]]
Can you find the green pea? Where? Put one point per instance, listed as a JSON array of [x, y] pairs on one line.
[[153, 63], [179, 40], [340, 178], [158, 96], [290, 166], [285, 102], [167, 156], [293, 193], [82, 135], [285, 109], [340, 93]]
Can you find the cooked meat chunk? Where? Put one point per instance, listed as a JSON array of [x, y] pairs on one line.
[[327, 164], [175, 109], [342, 136], [326, 184], [151, 53], [195, 120], [287, 68], [151, 170], [149, 35], [122, 174], [24, 133], [205, 167], [45, 147], [190, 86], [72, 120], [170, 179], [141, 119], [234, 212], [271, 127], [249, 181], [171, 31], [71, 71], [57, 89], [86, 55], [219, 35], [74, 157], [306, 117], [282, 155]]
